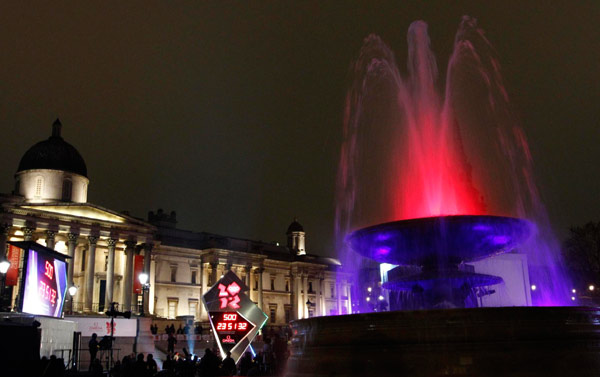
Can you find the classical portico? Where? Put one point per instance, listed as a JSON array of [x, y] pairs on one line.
[[100, 242], [49, 206]]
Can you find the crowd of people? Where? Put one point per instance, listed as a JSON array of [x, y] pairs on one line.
[[185, 330], [269, 361]]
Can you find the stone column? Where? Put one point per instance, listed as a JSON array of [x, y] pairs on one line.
[[146, 292], [27, 233], [89, 274], [71, 245], [110, 273], [214, 277], [318, 299], [128, 278], [203, 283], [4, 229], [305, 298], [251, 293], [50, 239], [322, 297], [248, 271], [349, 301], [298, 297], [260, 288]]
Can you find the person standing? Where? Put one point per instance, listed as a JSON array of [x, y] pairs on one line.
[[229, 365], [93, 347], [171, 343]]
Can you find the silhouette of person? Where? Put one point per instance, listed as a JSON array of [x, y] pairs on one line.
[[171, 343], [93, 346], [152, 367], [246, 363], [229, 365], [139, 368]]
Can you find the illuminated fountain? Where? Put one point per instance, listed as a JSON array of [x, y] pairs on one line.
[[448, 179], [438, 245]]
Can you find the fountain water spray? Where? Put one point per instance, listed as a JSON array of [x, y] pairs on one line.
[[410, 152]]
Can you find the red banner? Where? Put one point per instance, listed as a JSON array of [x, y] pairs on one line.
[[138, 268], [14, 257]]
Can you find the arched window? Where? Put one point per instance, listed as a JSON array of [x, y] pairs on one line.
[[39, 185], [66, 190]]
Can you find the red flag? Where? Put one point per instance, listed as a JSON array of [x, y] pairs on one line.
[[138, 267], [14, 257]]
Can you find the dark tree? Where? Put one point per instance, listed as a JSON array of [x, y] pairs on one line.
[[581, 251]]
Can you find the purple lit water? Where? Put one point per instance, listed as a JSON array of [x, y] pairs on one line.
[[414, 148]]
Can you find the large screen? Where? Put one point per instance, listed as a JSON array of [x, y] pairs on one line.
[[45, 285]]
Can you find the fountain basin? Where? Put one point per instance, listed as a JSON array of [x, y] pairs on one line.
[[516, 341]]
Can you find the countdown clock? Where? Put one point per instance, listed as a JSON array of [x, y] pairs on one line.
[[234, 318]]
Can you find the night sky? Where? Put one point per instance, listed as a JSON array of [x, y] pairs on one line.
[[230, 113]]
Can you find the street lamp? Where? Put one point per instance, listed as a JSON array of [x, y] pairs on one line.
[[143, 278], [73, 290], [4, 266]]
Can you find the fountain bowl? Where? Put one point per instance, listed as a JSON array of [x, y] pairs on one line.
[[439, 240]]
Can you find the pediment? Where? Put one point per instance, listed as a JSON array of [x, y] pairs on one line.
[[82, 211]]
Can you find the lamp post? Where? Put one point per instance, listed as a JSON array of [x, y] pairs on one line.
[[4, 266], [143, 278], [72, 292]]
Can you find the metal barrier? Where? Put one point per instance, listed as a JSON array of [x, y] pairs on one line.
[[103, 355], [194, 337]]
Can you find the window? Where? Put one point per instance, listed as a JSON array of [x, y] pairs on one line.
[[66, 190], [287, 285], [332, 289], [310, 289], [256, 282], [39, 182], [288, 313], [194, 276], [173, 274], [273, 313], [193, 307], [106, 263], [272, 284], [172, 303]]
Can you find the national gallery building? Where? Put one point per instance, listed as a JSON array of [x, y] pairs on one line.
[[109, 250]]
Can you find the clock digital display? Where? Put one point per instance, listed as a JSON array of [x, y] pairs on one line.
[[45, 284], [230, 327]]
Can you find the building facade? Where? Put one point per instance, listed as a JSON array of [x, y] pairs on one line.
[[109, 249]]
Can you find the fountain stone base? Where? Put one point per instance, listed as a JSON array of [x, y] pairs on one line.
[[516, 341]]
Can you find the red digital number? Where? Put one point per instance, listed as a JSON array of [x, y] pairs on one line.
[[42, 289], [242, 326], [221, 326], [49, 270], [230, 326], [53, 296], [47, 293], [229, 317]]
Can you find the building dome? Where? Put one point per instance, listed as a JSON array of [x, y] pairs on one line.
[[295, 226], [53, 153]]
